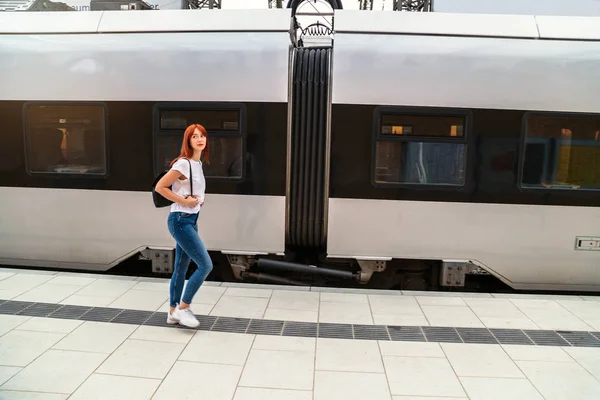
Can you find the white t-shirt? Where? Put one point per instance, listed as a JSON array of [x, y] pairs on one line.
[[182, 187]]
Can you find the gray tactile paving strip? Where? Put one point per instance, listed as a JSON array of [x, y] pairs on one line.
[[476, 335], [406, 333], [441, 334], [310, 329], [511, 336]]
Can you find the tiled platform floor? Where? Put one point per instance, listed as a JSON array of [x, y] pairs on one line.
[[58, 358]]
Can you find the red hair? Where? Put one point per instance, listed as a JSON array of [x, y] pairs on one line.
[[186, 150]]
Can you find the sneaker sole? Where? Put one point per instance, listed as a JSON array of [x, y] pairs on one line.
[[192, 325]]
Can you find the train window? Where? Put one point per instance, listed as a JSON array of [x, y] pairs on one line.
[[561, 152], [420, 149], [225, 137], [66, 139]]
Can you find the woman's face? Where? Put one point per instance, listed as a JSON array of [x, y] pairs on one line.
[[198, 140]]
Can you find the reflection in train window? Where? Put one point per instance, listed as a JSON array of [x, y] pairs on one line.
[[421, 149], [66, 139], [561, 152], [225, 138], [212, 120]]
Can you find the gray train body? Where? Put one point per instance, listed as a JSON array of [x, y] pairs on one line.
[[135, 70]]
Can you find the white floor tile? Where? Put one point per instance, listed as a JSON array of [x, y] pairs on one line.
[[415, 376], [344, 298], [142, 359], [100, 387], [291, 300], [427, 398], [50, 325], [348, 355], [398, 305], [5, 275], [163, 334], [480, 360], [500, 313], [561, 380], [88, 301], [402, 320], [500, 389], [155, 286], [48, 293], [548, 314], [246, 393], [193, 381], [411, 349], [10, 294], [107, 288], [279, 370], [72, 280], [96, 337], [9, 322], [291, 315], [240, 307], [218, 348], [243, 292], [508, 323], [19, 348], [451, 316], [208, 294], [147, 300], [13, 395], [350, 386], [587, 311], [345, 313], [440, 301], [56, 371], [284, 343], [588, 357], [7, 372], [24, 282], [536, 353]]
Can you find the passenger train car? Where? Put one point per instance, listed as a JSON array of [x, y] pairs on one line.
[[414, 151]]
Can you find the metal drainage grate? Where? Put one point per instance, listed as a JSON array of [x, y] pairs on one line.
[[14, 307], [476, 335], [134, 317], [579, 339], [546, 338], [232, 325], [406, 333], [335, 331], [309, 329], [511, 336], [69, 312], [304, 329], [40, 309], [265, 327], [441, 334], [371, 332]]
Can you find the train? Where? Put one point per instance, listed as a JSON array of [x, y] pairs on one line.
[[397, 150]]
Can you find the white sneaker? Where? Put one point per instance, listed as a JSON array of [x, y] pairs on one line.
[[172, 319], [186, 317]]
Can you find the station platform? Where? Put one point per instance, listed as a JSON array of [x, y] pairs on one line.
[[87, 336]]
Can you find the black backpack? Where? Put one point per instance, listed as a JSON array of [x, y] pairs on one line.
[[160, 201]]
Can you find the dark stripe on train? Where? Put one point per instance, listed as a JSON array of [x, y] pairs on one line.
[[131, 130], [492, 174]]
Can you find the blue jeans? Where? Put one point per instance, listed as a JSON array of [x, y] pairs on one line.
[[183, 227]]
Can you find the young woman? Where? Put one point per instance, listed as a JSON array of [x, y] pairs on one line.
[[183, 220]]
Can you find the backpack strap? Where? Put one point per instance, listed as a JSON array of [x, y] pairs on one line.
[[191, 180]]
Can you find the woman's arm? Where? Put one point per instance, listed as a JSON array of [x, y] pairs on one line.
[[162, 188]]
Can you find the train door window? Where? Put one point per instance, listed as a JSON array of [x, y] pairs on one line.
[[225, 128], [416, 148], [65, 139], [561, 152]]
